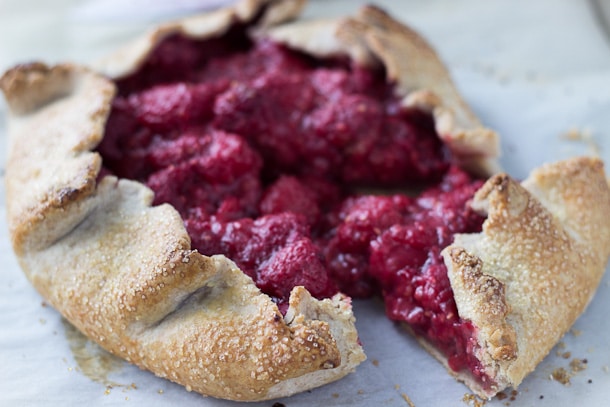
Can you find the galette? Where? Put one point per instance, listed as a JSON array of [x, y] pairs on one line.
[[205, 202]]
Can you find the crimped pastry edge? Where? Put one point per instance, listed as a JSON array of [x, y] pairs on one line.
[[68, 241], [118, 269], [525, 279]]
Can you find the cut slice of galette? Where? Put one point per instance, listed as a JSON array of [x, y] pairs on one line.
[[203, 203]]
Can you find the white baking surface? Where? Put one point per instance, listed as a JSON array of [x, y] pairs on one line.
[[531, 70]]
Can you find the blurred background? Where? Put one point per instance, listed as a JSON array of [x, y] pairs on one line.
[[84, 29]]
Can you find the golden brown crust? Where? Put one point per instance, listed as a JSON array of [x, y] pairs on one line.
[[525, 279], [123, 272], [61, 131]]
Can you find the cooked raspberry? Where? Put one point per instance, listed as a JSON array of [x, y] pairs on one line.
[[400, 251], [274, 250], [422, 297], [212, 236], [332, 82], [409, 152], [365, 217], [360, 220], [349, 122], [446, 205], [277, 230], [203, 172], [406, 260], [267, 112], [263, 57], [164, 108], [288, 194], [297, 263], [246, 241]]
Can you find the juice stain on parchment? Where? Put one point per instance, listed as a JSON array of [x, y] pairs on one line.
[[93, 361]]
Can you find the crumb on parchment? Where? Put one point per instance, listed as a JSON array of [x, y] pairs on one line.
[[561, 375], [578, 365], [407, 399], [583, 135], [473, 400]]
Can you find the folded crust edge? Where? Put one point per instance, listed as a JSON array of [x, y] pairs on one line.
[[123, 272], [535, 267]]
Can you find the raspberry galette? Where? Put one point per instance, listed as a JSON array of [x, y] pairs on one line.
[[206, 203]]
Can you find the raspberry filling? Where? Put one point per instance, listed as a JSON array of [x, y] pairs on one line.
[[265, 153]]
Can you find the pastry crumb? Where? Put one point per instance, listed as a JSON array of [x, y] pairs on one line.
[[576, 332], [578, 365], [575, 134], [561, 375], [473, 400], [407, 399], [513, 395], [583, 135], [375, 362]]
